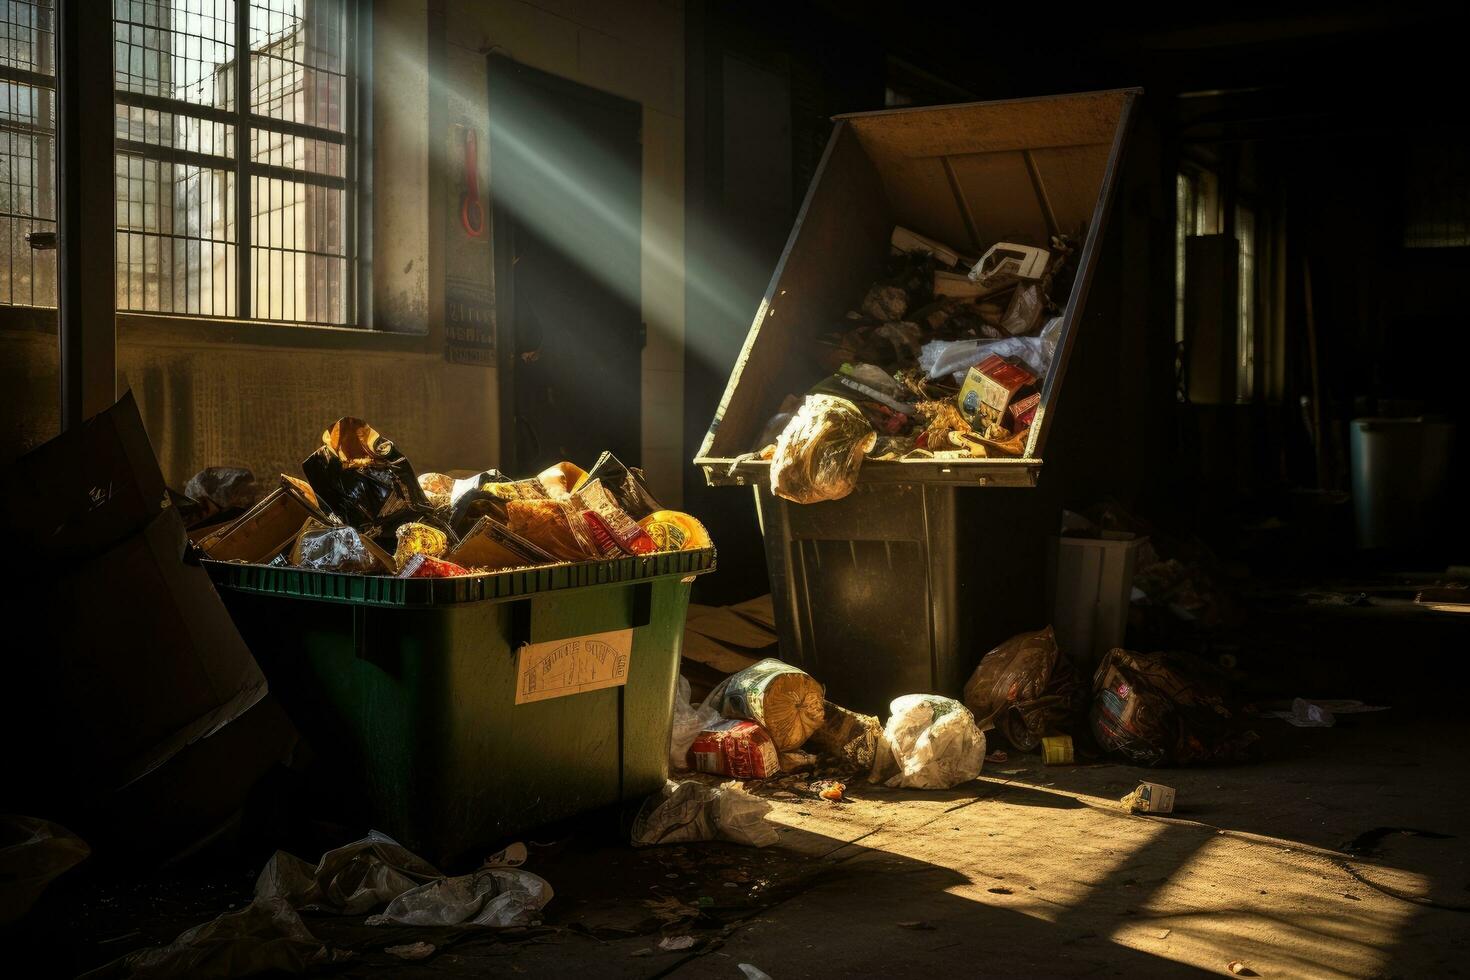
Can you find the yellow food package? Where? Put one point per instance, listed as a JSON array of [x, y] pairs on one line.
[[672, 530], [418, 539]]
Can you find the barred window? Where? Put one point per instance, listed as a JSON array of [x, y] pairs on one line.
[[181, 122]]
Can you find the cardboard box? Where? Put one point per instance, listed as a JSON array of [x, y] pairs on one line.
[[265, 530], [1151, 798], [990, 387], [132, 658], [740, 749]]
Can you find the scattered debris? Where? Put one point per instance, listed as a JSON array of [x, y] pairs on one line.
[[695, 811], [1240, 969], [1162, 933], [1317, 713], [1000, 890], [1024, 688], [671, 944], [830, 790], [1150, 798], [1166, 708], [412, 951], [998, 757]]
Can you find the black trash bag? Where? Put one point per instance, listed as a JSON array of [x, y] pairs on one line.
[[1160, 709], [365, 481], [627, 485], [1027, 690]]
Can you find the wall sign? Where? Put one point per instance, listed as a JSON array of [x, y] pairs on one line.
[[559, 668], [469, 322]]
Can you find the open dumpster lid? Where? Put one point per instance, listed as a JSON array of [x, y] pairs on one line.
[[965, 175]]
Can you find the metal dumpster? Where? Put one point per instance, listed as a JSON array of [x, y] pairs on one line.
[[895, 589], [452, 712]]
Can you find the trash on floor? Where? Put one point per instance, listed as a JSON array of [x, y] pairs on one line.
[[930, 742], [687, 723], [495, 897], [411, 951], [695, 811], [350, 880], [1056, 750], [783, 700], [736, 748], [846, 738], [1166, 709], [1025, 689], [265, 936], [1150, 798], [1316, 713]]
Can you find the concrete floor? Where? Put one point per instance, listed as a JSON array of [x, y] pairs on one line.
[[1029, 871]]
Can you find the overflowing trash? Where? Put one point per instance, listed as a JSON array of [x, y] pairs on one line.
[[943, 357], [363, 510]]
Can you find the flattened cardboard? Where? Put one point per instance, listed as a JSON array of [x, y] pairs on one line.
[[265, 530], [575, 665]]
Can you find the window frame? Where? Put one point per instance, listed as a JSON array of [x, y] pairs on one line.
[[355, 181]]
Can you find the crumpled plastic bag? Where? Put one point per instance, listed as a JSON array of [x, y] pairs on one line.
[[695, 811], [1166, 709], [688, 722], [952, 358], [1025, 689], [847, 738], [335, 549], [265, 936], [362, 478], [819, 452], [33, 853], [497, 897], [930, 742], [349, 880]]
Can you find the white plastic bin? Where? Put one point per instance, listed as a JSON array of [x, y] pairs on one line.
[[1090, 583]]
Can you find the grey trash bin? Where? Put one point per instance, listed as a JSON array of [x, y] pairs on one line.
[[894, 590], [1401, 481]]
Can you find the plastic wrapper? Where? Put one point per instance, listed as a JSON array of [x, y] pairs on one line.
[[562, 480], [415, 538], [694, 811], [490, 500], [603, 510], [847, 738], [736, 748], [819, 453], [426, 566], [490, 545], [1166, 709], [672, 530], [1027, 304], [555, 526], [930, 742], [362, 478], [1025, 689], [336, 549], [627, 484], [438, 489], [495, 897], [223, 488], [688, 722], [783, 700], [952, 358]]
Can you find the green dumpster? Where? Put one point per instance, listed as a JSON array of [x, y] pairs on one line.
[[453, 712]]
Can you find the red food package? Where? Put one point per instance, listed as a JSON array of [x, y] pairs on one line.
[[737, 748], [425, 566], [610, 524]]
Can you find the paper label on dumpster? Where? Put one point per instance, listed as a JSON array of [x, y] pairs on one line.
[[576, 664]]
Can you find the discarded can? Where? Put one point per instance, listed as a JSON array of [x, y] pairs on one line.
[[1056, 750], [1151, 798]]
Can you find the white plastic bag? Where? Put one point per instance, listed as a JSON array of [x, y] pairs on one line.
[[930, 742], [952, 358], [349, 880], [695, 811], [501, 897], [688, 722]]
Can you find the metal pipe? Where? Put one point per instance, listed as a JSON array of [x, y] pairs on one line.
[[86, 294]]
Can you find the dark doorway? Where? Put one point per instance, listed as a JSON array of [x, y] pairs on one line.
[[566, 190]]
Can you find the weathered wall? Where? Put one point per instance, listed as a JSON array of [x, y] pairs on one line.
[[630, 49]]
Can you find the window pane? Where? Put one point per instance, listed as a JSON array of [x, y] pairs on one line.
[[299, 61], [299, 254], [176, 49], [27, 154]]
